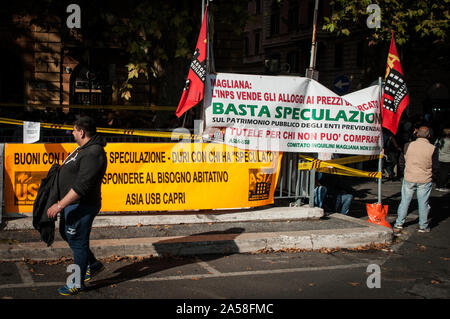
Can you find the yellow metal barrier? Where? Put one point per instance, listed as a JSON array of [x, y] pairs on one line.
[[335, 166]]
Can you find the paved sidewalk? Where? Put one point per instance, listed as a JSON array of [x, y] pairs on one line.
[[273, 228], [220, 232]]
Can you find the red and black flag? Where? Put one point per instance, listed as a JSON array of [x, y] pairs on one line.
[[195, 83], [395, 96]]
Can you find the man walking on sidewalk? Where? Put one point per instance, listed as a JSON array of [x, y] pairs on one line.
[[79, 182], [421, 166]]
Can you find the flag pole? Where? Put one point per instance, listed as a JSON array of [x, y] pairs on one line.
[[310, 73], [208, 68], [380, 159], [202, 112], [194, 87], [201, 21], [212, 65], [203, 11]]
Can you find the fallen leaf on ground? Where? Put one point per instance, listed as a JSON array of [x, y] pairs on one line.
[[354, 284]]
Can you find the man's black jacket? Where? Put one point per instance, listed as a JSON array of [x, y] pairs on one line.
[[46, 197], [83, 171]]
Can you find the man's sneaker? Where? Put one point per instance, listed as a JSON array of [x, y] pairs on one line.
[[446, 190], [93, 270], [398, 227], [424, 230], [67, 291]]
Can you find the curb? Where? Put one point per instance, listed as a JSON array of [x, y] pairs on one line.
[[364, 234], [271, 213]]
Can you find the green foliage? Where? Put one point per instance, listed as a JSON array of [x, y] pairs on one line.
[[410, 20], [151, 32], [157, 31]]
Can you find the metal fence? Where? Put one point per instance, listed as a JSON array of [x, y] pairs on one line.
[[292, 183]]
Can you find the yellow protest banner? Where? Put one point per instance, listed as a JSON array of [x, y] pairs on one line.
[[145, 177]]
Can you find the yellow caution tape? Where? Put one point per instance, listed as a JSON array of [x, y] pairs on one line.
[[94, 107], [355, 172], [162, 134], [342, 160], [335, 167]]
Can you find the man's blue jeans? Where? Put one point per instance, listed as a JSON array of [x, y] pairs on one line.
[[75, 228], [423, 194], [343, 202], [320, 192]]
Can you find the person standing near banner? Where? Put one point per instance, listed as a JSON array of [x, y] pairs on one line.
[[391, 153], [443, 144], [420, 159], [79, 182]]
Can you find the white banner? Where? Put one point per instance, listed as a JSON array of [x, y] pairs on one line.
[[291, 114], [31, 132]]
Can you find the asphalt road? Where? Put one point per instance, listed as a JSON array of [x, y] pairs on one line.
[[416, 266]]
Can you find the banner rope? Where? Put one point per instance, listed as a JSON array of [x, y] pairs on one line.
[[95, 107], [128, 132]]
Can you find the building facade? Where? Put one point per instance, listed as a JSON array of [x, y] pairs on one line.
[[44, 66], [277, 40], [47, 66]]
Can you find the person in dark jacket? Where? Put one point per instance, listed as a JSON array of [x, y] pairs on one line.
[[46, 196], [79, 181]]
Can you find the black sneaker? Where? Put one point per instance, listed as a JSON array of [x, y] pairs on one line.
[[93, 270], [67, 291]]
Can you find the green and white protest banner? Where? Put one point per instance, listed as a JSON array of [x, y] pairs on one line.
[[291, 114]]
